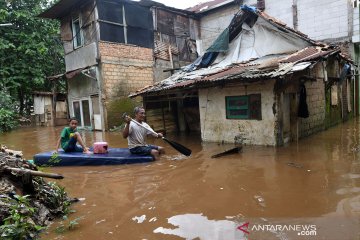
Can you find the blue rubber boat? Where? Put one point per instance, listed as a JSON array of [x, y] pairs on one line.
[[115, 156]]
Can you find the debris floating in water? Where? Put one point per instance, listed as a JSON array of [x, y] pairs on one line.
[[140, 219], [153, 219], [102, 220], [260, 200]]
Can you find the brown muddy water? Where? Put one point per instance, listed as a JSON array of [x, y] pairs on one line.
[[305, 190]]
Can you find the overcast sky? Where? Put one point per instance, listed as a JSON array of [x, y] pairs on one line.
[[181, 4]]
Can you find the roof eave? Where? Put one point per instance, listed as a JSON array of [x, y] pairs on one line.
[[60, 9]]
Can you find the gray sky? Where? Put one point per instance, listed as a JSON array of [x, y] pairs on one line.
[[181, 4]]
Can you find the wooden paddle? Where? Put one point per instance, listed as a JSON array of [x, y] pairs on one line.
[[177, 146]]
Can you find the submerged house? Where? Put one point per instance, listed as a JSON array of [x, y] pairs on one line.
[[260, 82], [49, 110], [114, 47]]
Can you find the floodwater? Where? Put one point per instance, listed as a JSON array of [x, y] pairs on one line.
[[306, 190]]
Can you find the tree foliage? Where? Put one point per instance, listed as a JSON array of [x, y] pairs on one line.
[[30, 49]]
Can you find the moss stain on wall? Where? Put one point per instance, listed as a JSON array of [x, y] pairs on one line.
[[115, 109]]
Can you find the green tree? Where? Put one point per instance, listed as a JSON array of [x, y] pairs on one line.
[[30, 50]]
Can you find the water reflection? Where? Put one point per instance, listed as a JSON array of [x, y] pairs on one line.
[[197, 226]]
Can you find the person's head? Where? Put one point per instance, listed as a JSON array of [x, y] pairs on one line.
[[73, 122], [139, 113]]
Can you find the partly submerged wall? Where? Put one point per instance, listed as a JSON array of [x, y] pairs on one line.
[[216, 128]]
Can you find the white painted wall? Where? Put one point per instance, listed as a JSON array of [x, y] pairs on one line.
[[216, 128], [214, 23], [356, 25], [320, 19]]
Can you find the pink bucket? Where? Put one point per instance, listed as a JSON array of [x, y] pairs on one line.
[[100, 147]]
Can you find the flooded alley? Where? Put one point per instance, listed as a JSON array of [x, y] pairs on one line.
[[261, 193]]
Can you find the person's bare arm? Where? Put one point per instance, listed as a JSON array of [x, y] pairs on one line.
[[126, 129]]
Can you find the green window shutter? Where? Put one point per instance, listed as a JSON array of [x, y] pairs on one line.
[[237, 107]]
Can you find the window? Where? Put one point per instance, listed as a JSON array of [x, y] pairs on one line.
[[77, 32], [243, 107], [355, 3], [126, 23]]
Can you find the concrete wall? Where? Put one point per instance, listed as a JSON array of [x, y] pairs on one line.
[[216, 128], [356, 25], [321, 19], [85, 55], [89, 27], [315, 99], [212, 24], [81, 58]]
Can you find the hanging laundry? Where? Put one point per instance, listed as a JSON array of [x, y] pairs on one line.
[[303, 110]]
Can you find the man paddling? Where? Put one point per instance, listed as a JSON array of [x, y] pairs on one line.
[[136, 134]]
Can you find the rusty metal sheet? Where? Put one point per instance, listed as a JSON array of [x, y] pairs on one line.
[[307, 54]]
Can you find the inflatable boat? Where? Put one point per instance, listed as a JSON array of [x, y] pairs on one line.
[[114, 156]]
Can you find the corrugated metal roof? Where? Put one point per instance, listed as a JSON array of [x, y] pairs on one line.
[[308, 54], [268, 67]]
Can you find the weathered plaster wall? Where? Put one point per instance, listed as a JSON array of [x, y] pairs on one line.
[[81, 58], [212, 24], [85, 55], [81, 87], [89, 27], [216, 128], [124, 69], [356, 25], [315, 99]]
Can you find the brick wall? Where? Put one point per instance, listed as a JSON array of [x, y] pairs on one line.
[[315, 98], [125, 68]]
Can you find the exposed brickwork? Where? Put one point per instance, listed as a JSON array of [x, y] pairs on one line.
[[315, 98], [125, 68]]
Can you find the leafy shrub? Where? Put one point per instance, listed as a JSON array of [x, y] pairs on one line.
[[8, 120], [19, 225]]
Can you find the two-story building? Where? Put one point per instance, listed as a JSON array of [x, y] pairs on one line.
[[115, 47]]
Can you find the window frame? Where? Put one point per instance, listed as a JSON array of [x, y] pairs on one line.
[[74, 33], [248, 107], [123, 24]]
